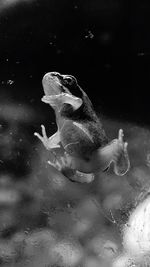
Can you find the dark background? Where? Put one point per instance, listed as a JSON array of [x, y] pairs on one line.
[[105, 44]]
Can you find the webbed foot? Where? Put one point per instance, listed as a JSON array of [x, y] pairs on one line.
[[49, 142], [121, 158], [63, 165]]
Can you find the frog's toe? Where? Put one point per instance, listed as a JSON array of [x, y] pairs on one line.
[[44, 132], [56, 164], [120, 135], [44, 139], [39, 136]]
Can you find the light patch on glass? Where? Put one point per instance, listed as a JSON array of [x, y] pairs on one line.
[[136, 238]]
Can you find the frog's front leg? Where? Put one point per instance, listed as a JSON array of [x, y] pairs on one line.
[[49, 142]]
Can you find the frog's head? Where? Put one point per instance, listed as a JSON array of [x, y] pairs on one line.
[[55, 83], [61, 89]]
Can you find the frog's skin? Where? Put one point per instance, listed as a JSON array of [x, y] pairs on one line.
[[80, 133]]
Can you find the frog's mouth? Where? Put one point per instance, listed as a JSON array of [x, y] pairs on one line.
[[57, 101], [53, 84]]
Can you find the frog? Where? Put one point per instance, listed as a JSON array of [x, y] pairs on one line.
[[80, 133]]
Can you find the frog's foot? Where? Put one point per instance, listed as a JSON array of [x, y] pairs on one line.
[[56, 164], [59, 162], [51, 142], [120, 157], [73, 174], [63, 165]]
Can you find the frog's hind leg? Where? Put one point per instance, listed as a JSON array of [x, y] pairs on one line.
[[73, 174], [49, 142], [77, 176], [62, 164], [121, 160]]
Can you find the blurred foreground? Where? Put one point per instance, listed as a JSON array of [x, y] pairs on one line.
[[47, 220]]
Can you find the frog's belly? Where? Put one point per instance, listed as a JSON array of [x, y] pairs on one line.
[[76, 139]]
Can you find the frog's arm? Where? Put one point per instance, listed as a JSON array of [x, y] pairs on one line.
[[49, 142], [58, 100]]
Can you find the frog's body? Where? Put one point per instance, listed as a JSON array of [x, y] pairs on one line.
[[80, 132]]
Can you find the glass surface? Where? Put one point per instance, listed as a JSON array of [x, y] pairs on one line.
[[46, 219]]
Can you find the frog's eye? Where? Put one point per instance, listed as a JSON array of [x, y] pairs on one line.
[[69, 80]]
